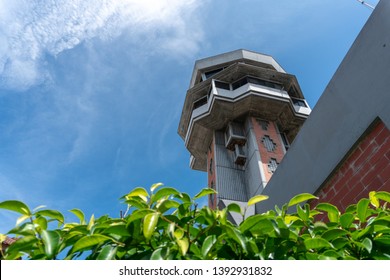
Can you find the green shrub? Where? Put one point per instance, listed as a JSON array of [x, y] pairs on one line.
[[164, 223]]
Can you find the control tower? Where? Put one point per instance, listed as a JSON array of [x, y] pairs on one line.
[[240, 114]]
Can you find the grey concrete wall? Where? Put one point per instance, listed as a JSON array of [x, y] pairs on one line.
[[358, 93], [230, 182]]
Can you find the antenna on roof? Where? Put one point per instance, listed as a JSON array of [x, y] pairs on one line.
[[366, 4]]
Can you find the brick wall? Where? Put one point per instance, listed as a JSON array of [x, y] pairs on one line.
[[266, 156], [365, 168]]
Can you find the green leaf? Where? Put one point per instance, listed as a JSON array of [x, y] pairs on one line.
[[138, 214], [300, 198], [136, 202], [385, 240], [91, 222], [257, 198], [54, 214], [155, 186], [120, 230], [367, 244], [167, 204], [160, 254], [79, 214], [21, 219], [164, 192], [183, 244], [41, 222], [234, 207], [316, 243], [51, 240], [333, 212], [362, 209], [26, 243], [346, 220], [149, 224], [373, 199], [304, 215], [88, 241], [250, 222], [204, 192], [16, 206], [138, 192], [108, 252], [208, 244], [385, 196], [334, 233], [235, 234]]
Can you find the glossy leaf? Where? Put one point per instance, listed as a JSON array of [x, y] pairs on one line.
[[155, 186], [362, 209], [149, 224], [24, 244], [79, 214], [89, 241], [373, 199], [138, 192], [301, 198], [334, 233], [168, 204], [204, 192], [16, 206], [160, 254], [108, 252], [208, 244], [183, 244], [21, 219], [54, 214], [51, 240], [316, 243], [346, 220], [139, 214], [333, 212], [164, 192], [234, 207], [235, 234], [385, 196], [257, 199]]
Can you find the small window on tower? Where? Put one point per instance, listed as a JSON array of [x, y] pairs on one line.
[[268, 143], [264, 124], [272, 165], [211, 166]]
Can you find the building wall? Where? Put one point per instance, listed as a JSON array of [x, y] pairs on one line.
[[365, 168], [211, 178], [357, 94], [263, 130]]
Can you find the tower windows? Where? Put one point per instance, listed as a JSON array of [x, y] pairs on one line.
[[272, 165], [268, 143], [264, 124]]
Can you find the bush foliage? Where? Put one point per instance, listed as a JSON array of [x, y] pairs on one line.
[[163, 223]]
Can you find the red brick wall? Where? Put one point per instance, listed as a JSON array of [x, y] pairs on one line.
[[366, 168], [265, 155]]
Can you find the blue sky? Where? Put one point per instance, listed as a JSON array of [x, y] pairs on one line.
[[91, 92]]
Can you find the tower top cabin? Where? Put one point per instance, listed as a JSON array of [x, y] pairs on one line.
[[227, 89]]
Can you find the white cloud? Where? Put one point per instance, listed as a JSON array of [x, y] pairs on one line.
[[30, 29]]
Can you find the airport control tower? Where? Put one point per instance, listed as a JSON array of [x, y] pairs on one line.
[[240, 115]]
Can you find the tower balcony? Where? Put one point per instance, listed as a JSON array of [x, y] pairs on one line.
[[225, 102]]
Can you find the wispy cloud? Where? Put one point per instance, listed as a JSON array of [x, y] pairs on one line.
[[29, 30]]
